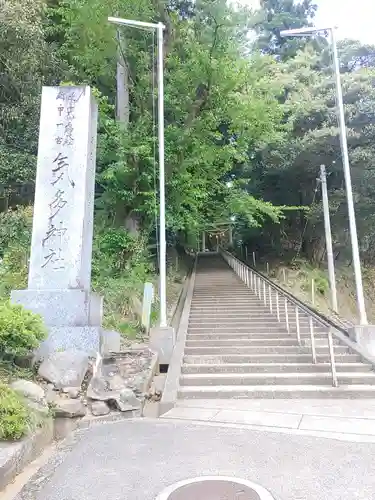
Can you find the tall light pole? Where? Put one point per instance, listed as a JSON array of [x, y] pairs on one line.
[[303, 32], [159, 27]]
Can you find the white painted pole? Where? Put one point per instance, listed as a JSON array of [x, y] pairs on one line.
[[327, 227], [163, 246], [254, 261], [162, 235], [348, 184], [346, 164]]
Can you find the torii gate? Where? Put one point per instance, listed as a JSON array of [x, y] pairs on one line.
[[218, 231]]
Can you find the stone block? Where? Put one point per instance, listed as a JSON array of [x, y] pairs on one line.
[[364, 336], [79, 338], [59, 278], [162, 342], [57, 307], [64, 193]]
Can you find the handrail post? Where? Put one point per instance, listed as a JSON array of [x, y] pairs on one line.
[[264, 293], [251, 279], [259, 289], [332, 359], [255, 285], [286, 314], [277, 306], [270, 298], [312, 337], [298, 327]]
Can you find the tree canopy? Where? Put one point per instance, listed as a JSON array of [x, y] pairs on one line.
[[249, 116]]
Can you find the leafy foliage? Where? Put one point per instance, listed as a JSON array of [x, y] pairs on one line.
[[21, 331], [15, 419]]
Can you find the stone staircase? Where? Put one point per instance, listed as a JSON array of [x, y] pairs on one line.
[[236, 348]]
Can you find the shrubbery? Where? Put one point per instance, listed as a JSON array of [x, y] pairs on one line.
[[21, 331], [15, 417]]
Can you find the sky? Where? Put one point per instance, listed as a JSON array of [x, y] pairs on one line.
[[354, 18]]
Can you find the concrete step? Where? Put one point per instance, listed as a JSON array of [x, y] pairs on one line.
[[274, 367], [277, 392], [237, 379], [261, 336], [227, 308], [253, 342], [245, 316], [249, 328], [267, 358], [260, 350], [222, 292]]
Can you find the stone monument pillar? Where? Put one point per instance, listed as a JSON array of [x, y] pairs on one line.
[[60, 263]]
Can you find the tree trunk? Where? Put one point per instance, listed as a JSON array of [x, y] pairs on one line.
[[123, 109]]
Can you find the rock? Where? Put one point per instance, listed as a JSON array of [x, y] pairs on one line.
[[69, 408], [128, 401], [73, 392], [124, 398], [99, 408], [65, 369], [51, 396], [116, 383], [33, 393], [98, 389], [29, 390]]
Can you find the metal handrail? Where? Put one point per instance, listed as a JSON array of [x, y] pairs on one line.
[[318, 316], [258, 283]]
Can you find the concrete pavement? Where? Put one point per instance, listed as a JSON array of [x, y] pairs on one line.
[[340, 419], [136, 459]]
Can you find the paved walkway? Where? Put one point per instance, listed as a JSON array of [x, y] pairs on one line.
[[351, 420], [136, 459]]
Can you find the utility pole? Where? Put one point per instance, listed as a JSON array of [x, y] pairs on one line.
[[327, 227]]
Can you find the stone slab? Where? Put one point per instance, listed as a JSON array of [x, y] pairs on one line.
[[57, 307], [323, 407], [261, 418], [347, 425], [191, 413], [162, 342], [81, 338]]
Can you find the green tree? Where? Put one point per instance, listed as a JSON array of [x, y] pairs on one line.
[[277, 15], [26, 63]]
